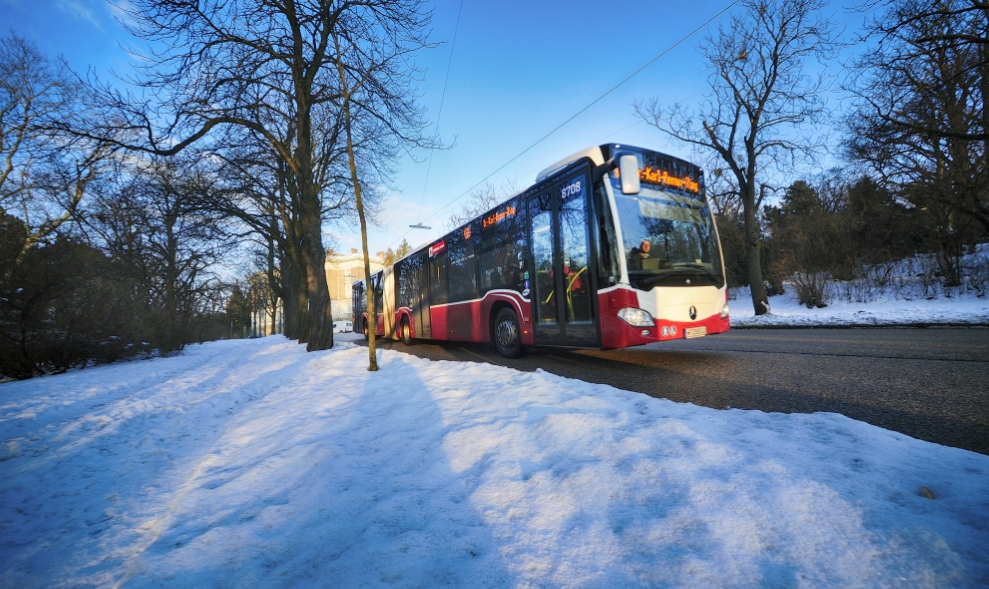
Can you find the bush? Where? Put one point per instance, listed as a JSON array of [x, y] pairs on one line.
[[64, 305], [812, 288], [978, 272], [68, 305]]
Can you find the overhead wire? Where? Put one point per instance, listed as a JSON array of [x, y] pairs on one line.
[[574, 116], [429, 166]]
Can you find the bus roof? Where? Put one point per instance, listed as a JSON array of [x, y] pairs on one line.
[[594, 153]]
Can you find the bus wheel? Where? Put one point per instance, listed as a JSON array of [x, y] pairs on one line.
[[406, 332], [364, 329], [507, 336]]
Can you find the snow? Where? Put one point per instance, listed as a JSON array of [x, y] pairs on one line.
[[901, 293], [962, 309], [250, 463]]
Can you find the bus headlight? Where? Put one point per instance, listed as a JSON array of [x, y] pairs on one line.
[[724, 311], [636, 317]]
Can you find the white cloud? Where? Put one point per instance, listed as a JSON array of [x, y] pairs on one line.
[[78, 10], [119, 10], [393, 223]]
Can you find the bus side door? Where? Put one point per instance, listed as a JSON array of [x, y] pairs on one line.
[[563, 302]]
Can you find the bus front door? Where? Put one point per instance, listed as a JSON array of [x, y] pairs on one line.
[[563, 305]]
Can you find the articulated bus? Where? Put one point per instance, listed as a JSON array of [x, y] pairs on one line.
[[612, 247]]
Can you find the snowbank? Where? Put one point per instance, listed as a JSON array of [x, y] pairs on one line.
[[903, 293], [886, 311], [253, 464]]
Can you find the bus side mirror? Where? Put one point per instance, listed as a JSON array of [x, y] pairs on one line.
[[628, 169]]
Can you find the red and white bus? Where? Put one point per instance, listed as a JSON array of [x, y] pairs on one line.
[[614, 246]]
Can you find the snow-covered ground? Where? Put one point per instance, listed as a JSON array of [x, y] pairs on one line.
[[901, 293], [253, 464], [962, 309]]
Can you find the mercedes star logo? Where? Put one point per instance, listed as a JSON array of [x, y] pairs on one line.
[[693, 312]]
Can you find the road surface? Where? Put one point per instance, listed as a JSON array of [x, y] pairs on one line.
[[931, 384]]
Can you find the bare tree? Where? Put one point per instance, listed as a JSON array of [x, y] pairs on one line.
[[760, 94], [45, 173], [920, 122], [262, 193], [372, 327], [158, 222], [911, 29], [484, 197], [264, 302], [32, 89], [373, 49], [261, 65]]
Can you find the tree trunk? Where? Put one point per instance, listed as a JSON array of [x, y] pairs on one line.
[[981, 205], [288, 311], [319, 318], [277, 293], [295, 300], [170, 336], [752, 254], [294, 282], [320, 315], [372, 317], [301, 306]]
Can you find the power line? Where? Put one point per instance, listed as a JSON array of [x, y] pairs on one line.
[[439, 114], [575, 115]]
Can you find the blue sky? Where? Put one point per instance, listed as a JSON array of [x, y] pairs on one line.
[[518, 69]]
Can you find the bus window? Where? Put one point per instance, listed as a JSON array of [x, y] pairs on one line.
[[500, 261], [377, 282], [543, 287], [359, 302], [573, 239], [608, 271], [502, 248], [463, 265], [409, 278], [439, 267]]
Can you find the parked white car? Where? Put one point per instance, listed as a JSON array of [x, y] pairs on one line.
[[342, 326]]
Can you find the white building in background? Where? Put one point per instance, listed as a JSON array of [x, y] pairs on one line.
[[262, 323], [342, 269]]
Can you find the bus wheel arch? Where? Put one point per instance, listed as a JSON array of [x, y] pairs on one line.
[[496, 308], [405, 332], [506, 332]]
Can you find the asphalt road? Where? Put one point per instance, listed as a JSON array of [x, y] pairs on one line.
[[931, 384]]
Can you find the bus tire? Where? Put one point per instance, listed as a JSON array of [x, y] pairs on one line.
[[507, 336], [406, 332], [366, 336]]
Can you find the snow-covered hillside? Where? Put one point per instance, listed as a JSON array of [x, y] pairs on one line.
[[253, 464], [902, 293], [962, 309]]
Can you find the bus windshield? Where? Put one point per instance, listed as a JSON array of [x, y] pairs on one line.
[[669, 239]]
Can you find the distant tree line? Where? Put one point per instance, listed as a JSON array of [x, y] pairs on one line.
[[917, 180], [130, 273], [101, 257], [833, 230]]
